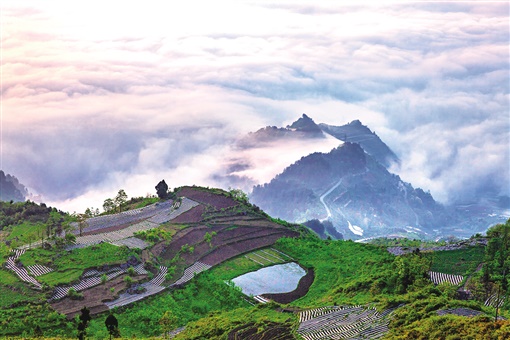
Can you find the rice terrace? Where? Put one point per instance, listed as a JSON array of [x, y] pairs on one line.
[[205, 263]]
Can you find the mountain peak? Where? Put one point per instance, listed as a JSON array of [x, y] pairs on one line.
[[356, 122], [305, 124]]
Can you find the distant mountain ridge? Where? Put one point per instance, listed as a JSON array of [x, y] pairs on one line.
[[353, 190], [351, 186], [356, 132], [304, 127], [11, 189]]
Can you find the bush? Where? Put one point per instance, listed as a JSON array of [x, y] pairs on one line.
[[74, 295], [128, 280]]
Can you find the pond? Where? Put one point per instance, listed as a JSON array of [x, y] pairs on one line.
[[280, 278]]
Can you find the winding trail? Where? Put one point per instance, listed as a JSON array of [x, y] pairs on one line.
[[326, 194]]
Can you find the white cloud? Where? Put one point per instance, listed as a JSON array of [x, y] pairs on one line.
[[102, 95]]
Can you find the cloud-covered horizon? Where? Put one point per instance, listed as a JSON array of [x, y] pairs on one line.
[[99, 96]]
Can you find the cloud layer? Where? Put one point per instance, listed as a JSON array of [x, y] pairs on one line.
[[100, 96]]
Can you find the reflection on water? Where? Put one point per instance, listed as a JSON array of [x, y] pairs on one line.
[[281, 278]]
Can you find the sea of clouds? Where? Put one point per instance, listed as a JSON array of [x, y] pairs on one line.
[[103, 95]]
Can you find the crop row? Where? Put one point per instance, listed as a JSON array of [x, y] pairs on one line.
[[92, 278], [343, 323], [438, 278], [38, 270], [95, 224], [21, 271], [152, 287], [165, 216], [113, 236], [191, 271], [495, 301]]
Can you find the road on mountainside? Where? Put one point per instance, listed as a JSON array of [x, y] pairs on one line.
[[326, 194]]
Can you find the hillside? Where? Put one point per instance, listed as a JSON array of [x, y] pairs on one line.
[[352, 190], [303, 128], [356, 132], [142, 265]]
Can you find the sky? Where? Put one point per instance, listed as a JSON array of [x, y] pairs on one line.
[[103, 95]]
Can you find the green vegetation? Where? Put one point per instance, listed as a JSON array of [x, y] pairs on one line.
[[405, 242], [69, 265], [261, 319], [457, 262], [418, 319], [203, 295], [346, 273], [153, 236], [15, 292], [243, 264]]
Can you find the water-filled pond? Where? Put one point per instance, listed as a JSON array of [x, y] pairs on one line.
[[280, 278]]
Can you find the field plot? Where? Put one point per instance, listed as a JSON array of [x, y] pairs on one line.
[[345, 322], [217, 200], [438, 278], [103, 223]]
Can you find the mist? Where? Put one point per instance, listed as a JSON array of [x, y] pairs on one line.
[[102, 96]]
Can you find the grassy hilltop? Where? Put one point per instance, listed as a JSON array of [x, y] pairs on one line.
[[159, 265]]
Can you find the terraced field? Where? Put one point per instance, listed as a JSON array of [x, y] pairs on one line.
[[438, 278], [232, 231], [343, 322]]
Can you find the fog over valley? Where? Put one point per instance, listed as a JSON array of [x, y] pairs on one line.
[[101, 96]]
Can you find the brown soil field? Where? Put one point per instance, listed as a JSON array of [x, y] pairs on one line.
[[300, 291], [194, 215], [230, 250], [93, 297], [218, 201]]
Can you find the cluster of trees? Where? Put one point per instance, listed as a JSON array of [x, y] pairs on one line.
[[14, 213], [497, 264], [115, 204]]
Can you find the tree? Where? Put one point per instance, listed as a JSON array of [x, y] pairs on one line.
[[238, 195], [162, 189], [84, 319], [168, 322], [120, 199], [89, 212], [70, 238], [53, 223], [208, 238], [108, 205], [82, 222], [112, 325], [497, 262]]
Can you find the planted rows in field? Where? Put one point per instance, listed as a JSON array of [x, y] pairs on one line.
[[96, 224], [343, 323], [495, 301], [152, 287], [21, 271], [38, 270], [191, 271], [113, 236], [438, 278], [92, 278]]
